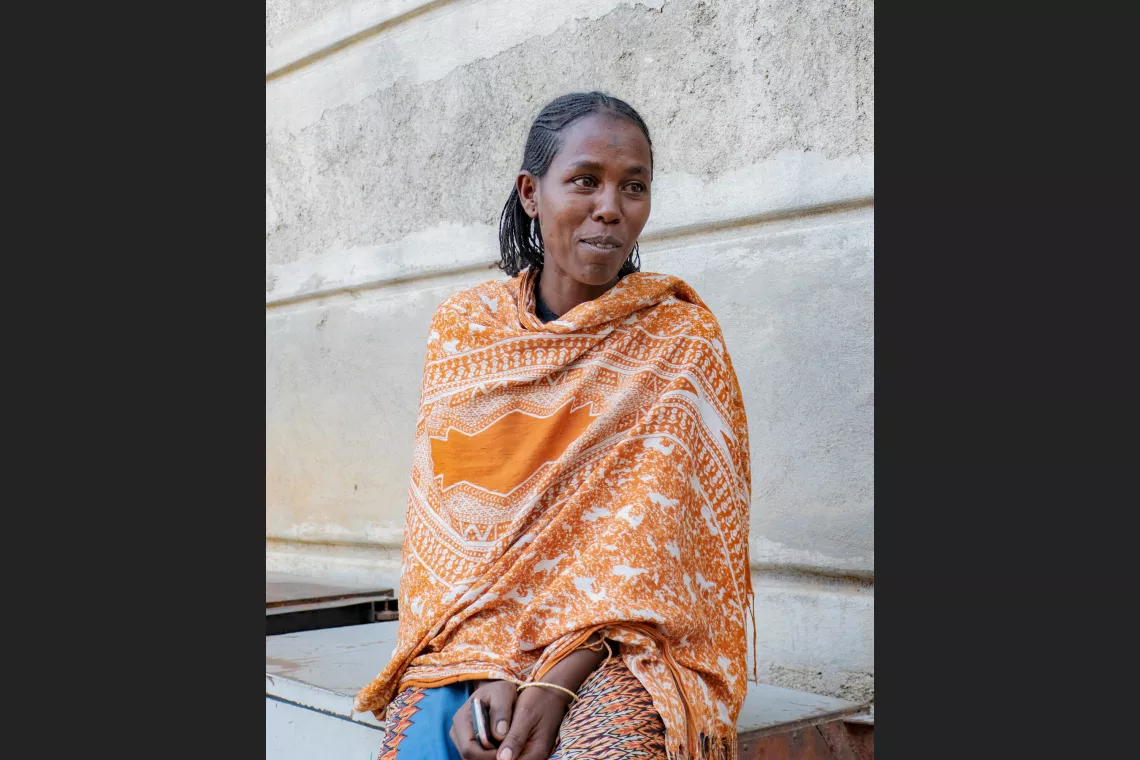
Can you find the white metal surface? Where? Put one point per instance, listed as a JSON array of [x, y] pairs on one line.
[[324, 669], [296, 733]]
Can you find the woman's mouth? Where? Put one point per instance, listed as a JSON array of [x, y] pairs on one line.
[[602, 243]]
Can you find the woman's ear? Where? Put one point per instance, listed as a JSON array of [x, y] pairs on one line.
[[527, 186]]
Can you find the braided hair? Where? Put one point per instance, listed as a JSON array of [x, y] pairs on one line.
[[520, 237]]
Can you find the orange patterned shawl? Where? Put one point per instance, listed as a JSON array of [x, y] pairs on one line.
[[588, 473]]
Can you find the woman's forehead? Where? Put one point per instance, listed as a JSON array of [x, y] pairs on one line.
[[603, 140]]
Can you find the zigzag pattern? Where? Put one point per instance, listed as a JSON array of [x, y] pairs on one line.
[[399, 717]]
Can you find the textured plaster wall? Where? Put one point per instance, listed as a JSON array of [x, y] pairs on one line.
[[387, 163]]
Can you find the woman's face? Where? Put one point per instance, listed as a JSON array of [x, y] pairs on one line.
[[593, 201]]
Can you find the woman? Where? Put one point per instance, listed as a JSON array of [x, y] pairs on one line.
[[575, 554]]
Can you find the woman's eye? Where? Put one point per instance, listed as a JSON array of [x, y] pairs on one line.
[[586, 182]]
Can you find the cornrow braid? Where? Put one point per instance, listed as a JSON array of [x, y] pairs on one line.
[[520, 237]]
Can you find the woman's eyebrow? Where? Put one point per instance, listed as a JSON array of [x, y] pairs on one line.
[[588, 165]]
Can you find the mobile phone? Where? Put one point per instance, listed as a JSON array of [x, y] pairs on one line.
[[482, 721]]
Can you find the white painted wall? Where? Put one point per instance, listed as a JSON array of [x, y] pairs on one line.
[[394, 129]]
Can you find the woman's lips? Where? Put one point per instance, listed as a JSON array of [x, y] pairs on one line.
[[601, 248], [602, 244]]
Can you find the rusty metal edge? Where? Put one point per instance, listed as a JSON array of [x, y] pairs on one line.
[[816, 720]]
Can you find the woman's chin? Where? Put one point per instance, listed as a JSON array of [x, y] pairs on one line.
[[598, 280], [598, 273]]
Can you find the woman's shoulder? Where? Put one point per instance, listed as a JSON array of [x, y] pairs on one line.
[[679, 309], [486, 296]]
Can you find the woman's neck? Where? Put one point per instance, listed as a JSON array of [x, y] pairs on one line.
[[561, 293]]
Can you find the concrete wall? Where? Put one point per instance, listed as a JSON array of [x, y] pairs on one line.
[[394, 129]]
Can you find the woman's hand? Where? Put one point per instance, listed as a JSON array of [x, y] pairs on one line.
[[538, 714], [529, 720], [499, 696]]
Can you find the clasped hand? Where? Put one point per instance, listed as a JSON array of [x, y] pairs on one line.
[[524, 723]]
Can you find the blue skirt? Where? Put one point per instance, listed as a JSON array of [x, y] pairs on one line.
[[419, 723]]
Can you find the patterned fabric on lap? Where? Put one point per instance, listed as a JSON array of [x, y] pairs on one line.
[[613, 719]]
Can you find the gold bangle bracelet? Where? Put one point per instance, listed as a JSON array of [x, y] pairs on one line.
[[573, 696]]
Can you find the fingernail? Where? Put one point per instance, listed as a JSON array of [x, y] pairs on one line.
[[505, 753], [501, 728]]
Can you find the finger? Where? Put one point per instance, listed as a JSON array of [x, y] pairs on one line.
[[517, 736], [464, 736], [542, 739], [472, 751], [462, 726], [500, 698]]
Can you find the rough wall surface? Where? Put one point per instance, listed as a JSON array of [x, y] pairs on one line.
[[387, 162]]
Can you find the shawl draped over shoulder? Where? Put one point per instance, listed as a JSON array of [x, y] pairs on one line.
[[586, 474]]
